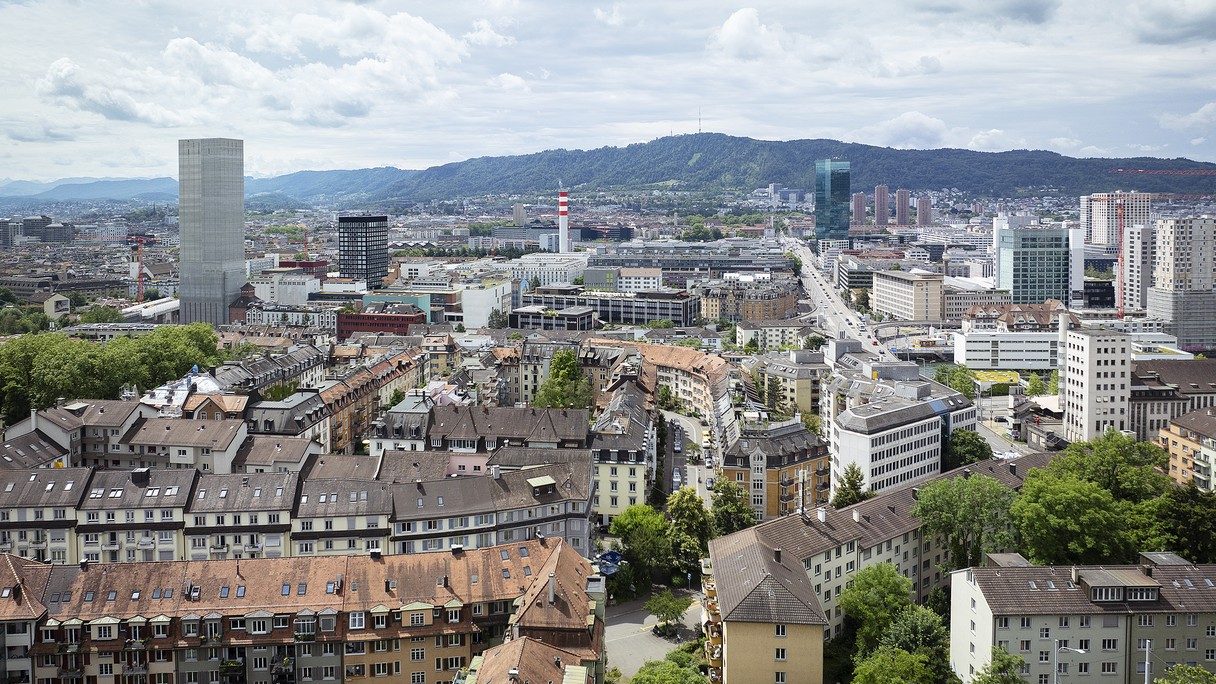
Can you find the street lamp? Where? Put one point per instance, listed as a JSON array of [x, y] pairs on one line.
[[1055, 660]]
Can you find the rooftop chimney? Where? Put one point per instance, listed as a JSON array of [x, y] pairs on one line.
[[1013, 468], [552, 589], [495, 471], [777, 554], [822, 513], [856, 515]]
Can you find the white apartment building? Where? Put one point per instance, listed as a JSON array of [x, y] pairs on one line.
[[550, 268], [890, 422], [1135, 276], [1096, 384], [1100, 214], [1183, 291], [287, 286], [991, 350], [477, 300], [908, 295], [639, 279], [294, 316]]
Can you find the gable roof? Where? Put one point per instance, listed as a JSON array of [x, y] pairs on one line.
[[756, 583]]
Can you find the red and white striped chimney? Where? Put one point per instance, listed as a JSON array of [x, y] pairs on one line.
[[563, 221]]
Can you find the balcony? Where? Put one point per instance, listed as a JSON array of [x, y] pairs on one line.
[[137, 644], [786, 498], [71, 672], [38, 544], [708, 586], [229, 668], [306, 636], [6, 546], [69, 648], [145, 543], [134, 669], [111, 546], [286, 664], [713, 653], [219, 548], [16, 652]]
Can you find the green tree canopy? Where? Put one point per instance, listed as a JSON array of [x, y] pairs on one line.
[[1063, 520], [964, 447], [971, 514], [646, 536], [851, 488], [1053, 383], [893, 666], [1130, 470], [957, 378], [101, 314], [1186, 674], [497, 319], [691, 529], [666, 607], [667, 672], [862, 302], [731, 509], [566, 386], [1035, 386], [1002, 669], [878, 595], [920, 631], [814, 342]]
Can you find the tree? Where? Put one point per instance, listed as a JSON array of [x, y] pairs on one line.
[[101, 314], [814, 342], [1183, 520], [566, 386], [396, 397], [1002, 669], [957, 378], [497, 320], [1186, 674], [459, 328], [964, 447], [1035, 386], [851, 489], [893, 666], [878, 595], [1053, 383], [730, 508], [659, 324], [666, 400], [534, 282], [667, 672], [1130, 470], [1064, 520], [646, 536], [971, 514], [772, 394], [920, 631], [862, 303], [667, 607], [813, 423], [691, 529]]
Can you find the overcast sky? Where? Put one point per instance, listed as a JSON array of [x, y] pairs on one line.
[[106, 88]]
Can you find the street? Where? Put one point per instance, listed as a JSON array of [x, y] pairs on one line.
[[629, 636], [692, 474]]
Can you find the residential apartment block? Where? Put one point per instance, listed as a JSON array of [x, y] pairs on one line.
[[782, 466], [1095, 383], [908, 295], [1109, 615]]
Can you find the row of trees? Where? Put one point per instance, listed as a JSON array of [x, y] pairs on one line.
[[35, 370], [673, 545]]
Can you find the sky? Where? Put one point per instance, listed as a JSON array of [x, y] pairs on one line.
[[105, 89]]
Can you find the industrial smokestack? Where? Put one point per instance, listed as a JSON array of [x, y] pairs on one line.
[[563, 221]]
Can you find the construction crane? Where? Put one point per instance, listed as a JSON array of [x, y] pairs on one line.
[[1122, 274]]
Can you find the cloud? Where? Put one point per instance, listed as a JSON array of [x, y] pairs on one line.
[[1166, 22], [995, 140], [37, 134], [910, 129], [510, 82], [483, 34], [66, 84], [1064, 143], [742, 36], [1028, 11], [1145, 148], [612, 17], [1198, 141], [1203, 117], [1094, 151]]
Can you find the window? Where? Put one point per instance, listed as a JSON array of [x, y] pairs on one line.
[[1044, 656], [1110, 644], [780, 630], [417, 678], [1044, 632], [1192, 643], [1083, 668], [779, 678], [1110, 668], [417, 654], [417, 619], [779, 654], [1002, 623], [1025, 623], [356, 620]]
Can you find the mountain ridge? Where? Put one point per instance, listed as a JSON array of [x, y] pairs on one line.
[[697, 162]]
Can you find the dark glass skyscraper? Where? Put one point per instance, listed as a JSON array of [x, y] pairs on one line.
[[363, 248], [832, 196]]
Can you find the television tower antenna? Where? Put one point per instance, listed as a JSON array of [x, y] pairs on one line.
[[698, 119]]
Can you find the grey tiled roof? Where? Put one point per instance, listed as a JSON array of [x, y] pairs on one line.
[[753, 586], [241, 493], [1009, 591], [43, 487]]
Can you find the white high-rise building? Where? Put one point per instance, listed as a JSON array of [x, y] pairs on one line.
[[211, 198], [1100, 214], [1095, 383], [1134, 277], [1183, 291]]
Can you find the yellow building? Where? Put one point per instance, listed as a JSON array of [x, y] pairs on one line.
[[1191, 442], [782, 466], [761, 617]]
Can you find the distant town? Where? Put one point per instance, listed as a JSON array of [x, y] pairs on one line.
[[780, 436]]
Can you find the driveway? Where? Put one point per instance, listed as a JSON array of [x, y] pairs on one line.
[[629, 636]]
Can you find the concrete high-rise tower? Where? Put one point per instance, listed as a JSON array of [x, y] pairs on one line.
[[902, 202], [1100, 214], [859, 208], [924, 211], [1183, 290], [832, 199], [882, 210], [211, 199], [563, 222], [363, 248]]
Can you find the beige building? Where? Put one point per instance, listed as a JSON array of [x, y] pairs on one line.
[[798, 374], [907, 295], [763, 623]]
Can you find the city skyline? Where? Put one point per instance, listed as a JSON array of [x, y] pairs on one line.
[[344, 85]]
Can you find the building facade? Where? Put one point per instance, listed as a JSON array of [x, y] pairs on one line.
[[907, 295], [832, 194], [363, 248], [1095, 383], [211, 180]]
